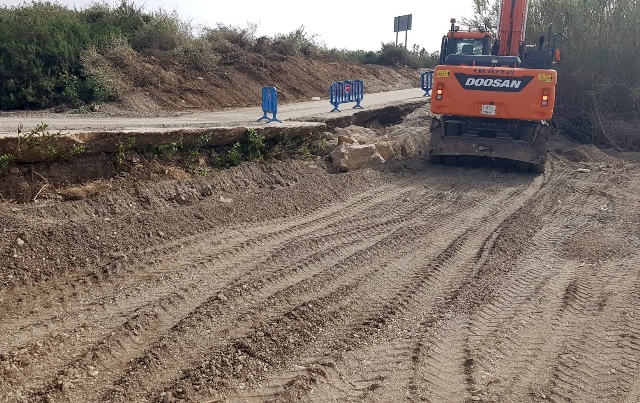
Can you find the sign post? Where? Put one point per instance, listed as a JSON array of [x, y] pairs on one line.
[[400, 24]]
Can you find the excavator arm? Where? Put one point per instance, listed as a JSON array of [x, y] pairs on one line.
[[512, 26]]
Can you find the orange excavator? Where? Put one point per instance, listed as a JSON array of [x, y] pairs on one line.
[[494, 95]]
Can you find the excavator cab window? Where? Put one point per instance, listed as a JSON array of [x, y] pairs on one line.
[[471, 44], [468, 46]]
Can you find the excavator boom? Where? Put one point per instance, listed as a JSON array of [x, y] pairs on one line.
[[512, 26]]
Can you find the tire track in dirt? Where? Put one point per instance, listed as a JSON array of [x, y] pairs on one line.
[[601, 360], [425, 291], [518, 350], [432, 361], [405, 296], [491, 319], [128, 326], [499, 325], [493, 308], [597, 361], [305, 285], [226, 245], [168, 303]]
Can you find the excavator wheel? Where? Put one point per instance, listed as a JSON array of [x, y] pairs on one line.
[[452, 129], [527, 133]]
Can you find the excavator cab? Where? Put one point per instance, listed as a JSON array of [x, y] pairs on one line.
[[465, 42]]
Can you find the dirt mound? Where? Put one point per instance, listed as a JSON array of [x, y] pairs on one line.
[[585, 153], [154, 82]]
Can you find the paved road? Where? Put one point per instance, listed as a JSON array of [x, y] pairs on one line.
[[70, 123]]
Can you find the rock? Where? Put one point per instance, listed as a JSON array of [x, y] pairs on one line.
[[350, 157], [168, 398], [132, 156], [413, 145], [94, 373], [14, 170], [20, 242], [354, 131], [583, 170], [345, 139], [387, 150], [221, 297], [206, 191], [66, 386], [315, 98], [226, 200], [161, 234]]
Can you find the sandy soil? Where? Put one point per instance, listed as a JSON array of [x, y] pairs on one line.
[[287, 282]]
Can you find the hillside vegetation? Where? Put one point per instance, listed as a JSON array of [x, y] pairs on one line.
[[52, 55], [599, 75]]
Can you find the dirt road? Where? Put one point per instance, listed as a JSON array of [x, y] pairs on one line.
[[284, 282]]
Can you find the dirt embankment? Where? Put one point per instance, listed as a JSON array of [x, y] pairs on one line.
[[157, 84]]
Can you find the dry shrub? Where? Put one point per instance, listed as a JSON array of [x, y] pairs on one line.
[[622, 134], [236, 36], [108, 81], [164, 32], [198, 54], [118, 51]]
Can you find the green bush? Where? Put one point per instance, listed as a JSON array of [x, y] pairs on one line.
[[43, 46]]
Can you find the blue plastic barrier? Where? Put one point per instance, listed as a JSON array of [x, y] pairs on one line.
[[426, 82], [270, 104], [346, 91]]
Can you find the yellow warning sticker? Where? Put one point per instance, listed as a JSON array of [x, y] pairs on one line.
[[442, 73], [545, 78]]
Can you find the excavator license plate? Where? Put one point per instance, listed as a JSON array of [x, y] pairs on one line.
[[488, 110]]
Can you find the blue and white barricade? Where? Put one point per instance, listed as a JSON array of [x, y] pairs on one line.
[[342, 92], [426, 82], [270, 104]]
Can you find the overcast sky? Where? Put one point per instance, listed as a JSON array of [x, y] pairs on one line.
[[338, 23]]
